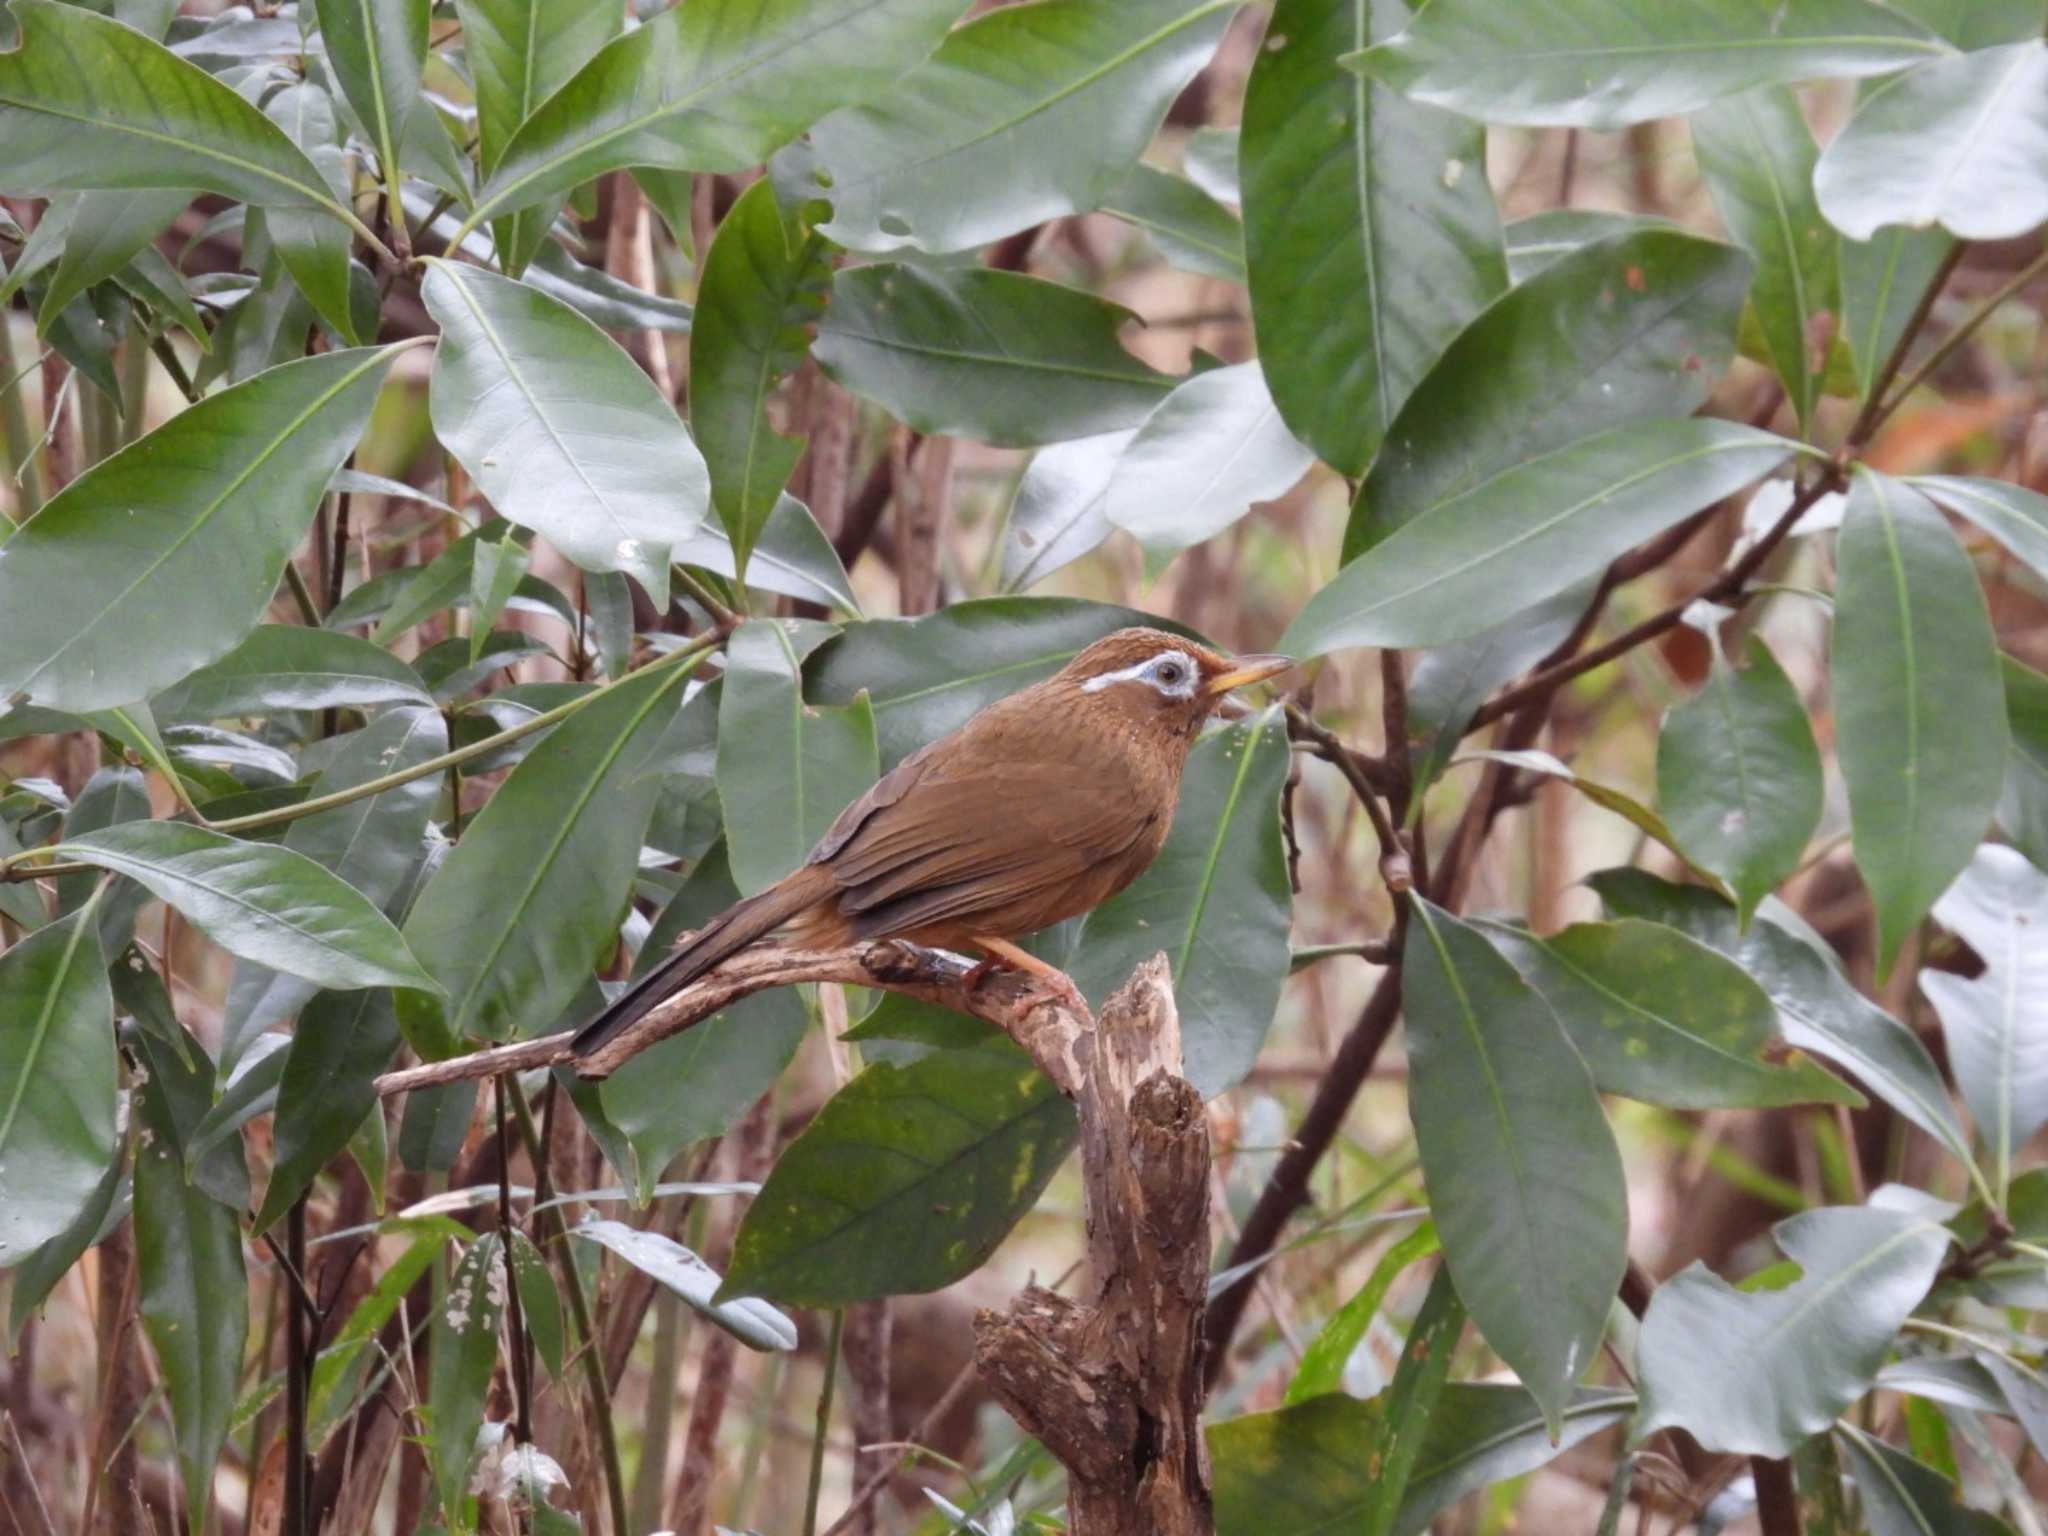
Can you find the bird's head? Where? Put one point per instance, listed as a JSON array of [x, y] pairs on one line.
[[1161, 679]]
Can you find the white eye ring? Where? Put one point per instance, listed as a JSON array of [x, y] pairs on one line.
[[1171, 673]]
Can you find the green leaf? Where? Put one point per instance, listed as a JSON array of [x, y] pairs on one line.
[[1370, 232], [529, 900], [1525, 1184], [1530, 532], [794, 558], [334, 1372], [765, 279], [905, 1181], [105, 231], [927, 676], [520, 53], [754, 1323], [1024, 114], [1057, 516], [1322, 1363], [1192, 230], [711, 87], [1755, 1373], [462, 1351], [1411, 1402], [1302, 1471], [194, 1296], [1975, 23], [601, 298], [2023, 806], [1996, 1023], [376, 48], [200, 515], [1216, 899], [1906, 1497], [57, 1064], [313, 247], [1211, 449], [373, 843], [1593, 64], [1631, 328], [498, 566], [86, 103], [785, 769], [1010, 360], [1659, 1016], [1739, 775], [1543, 239], [1818, 1010], [540, 1303], [698, 1083], [286, 666], [1882, 281], [2011, 514], [1757, 155], [262, 902], [1961, 142], [559, 427], [343, 1041], [34, 1276], [1919, 706]]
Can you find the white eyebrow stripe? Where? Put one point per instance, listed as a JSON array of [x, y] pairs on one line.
[[1136, 673]]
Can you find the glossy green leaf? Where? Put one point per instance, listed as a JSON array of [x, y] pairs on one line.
[[2023, 806], [2011, 514], [1882, 280], [795, 558], [1739, 775], [250, 1090], [1961, 142], [194, 1296], [373, 843], [785, 769], [1008, 359], [1530, 532], [1411, 1402], [521, 52], [598, 296], [1631, 328], [927, 676], [1755, 1373], [1595, 64], [754, 1323], [698, 1083], [765, 279], [711, 87], [1216, 900], [335, 1372], [1996, 1023], [1370, 232], [1919, 706], [1191, 229], [462, 1352], [344, 1039], [1659, 1016], [1302, 1471], [1323, 1363], [1903, 1496], [559, 427], [905, 1181], [1024, 114], [1212, 449], [498, 566], [201, 514], [57, 1068], [1818, 1009], [1057, 516], [375, 49], [540, 1303], [34, 1276], [105, 231], [1524, 1180], [86, 103], [263, 902], [286, 666], [1543, 239], [1757, 155], [524, 906]]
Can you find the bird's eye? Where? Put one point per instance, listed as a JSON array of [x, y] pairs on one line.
[[1171, 673]]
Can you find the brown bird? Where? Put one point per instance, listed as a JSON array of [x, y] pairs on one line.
[[1043, 805]]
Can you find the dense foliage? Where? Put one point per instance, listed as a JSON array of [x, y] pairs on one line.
[[488, 481]]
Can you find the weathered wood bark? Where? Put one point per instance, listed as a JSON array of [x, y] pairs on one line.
[[1113, 1386]]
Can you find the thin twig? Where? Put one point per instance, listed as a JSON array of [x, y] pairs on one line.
[[515, 1319], [1955, 339], [1873, 412], [824, 1422]]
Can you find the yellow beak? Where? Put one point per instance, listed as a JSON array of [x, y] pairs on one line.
[[1246, 669]]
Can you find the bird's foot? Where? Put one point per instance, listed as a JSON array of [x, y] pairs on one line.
[[1002, 954]]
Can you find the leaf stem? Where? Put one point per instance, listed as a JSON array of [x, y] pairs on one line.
[[1958, 336], [824, 1422]]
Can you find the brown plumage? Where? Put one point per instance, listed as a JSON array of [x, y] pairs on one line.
[[1041, 806]]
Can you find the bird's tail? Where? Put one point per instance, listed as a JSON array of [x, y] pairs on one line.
[[724, 936]]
